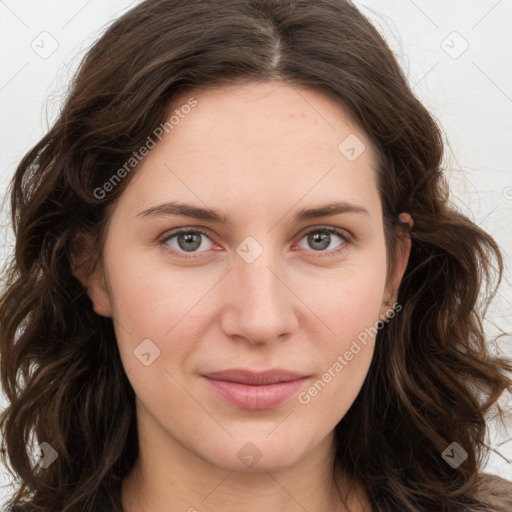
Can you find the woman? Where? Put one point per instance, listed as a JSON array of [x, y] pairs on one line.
[[319, 345]]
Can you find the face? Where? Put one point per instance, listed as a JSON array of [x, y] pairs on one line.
[[282, 303]]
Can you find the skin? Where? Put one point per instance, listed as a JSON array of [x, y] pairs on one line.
[[259, 152]]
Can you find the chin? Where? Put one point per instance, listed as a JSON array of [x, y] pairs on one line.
[[255, 456]]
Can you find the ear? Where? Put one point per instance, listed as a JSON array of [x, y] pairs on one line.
[[94, 283], [403, 251]]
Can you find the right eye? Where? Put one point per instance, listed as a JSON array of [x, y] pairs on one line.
[[184, 241]]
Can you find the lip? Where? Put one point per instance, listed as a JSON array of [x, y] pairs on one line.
[[255, 390]]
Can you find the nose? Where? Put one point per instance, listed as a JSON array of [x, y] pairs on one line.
[[261, 307]]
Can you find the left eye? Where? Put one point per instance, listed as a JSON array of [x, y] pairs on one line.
[[189, 241], [320, 238]]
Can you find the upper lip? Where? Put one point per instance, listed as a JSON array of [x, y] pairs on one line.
[[253, 377]]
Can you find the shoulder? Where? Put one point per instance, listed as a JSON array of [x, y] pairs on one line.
[[493, 492]]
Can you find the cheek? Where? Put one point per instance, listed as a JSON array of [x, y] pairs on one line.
[[344, 358], [173, 307], [149, 301], [349, 299], [351, 311]]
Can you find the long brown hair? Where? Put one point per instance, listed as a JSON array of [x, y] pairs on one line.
[[432, 380]]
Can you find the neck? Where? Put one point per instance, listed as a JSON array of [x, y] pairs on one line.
[[168, 476], [227, 491]]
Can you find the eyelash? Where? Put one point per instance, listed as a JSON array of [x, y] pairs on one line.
[[321, 254]]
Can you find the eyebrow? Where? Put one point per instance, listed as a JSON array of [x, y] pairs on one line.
[[219, 217]]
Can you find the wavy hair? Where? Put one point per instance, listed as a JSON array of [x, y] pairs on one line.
[[433, 379]]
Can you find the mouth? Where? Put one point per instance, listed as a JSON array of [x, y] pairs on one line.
[[254, 390]]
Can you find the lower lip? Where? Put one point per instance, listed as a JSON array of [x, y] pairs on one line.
[[255, 397]]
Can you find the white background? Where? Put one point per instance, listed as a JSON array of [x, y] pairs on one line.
[[469, 92]]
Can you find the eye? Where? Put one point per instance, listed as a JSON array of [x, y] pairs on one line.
[[187, 240], [191, 240], [319, 239]]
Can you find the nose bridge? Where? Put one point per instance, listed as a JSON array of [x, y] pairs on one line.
[[255, 270], [261, 307]]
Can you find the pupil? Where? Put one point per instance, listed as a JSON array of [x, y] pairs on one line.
[[187, 238], [320, 237]]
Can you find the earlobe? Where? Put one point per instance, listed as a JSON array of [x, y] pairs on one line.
[[99, 297], [404, 234], [403, 252], [94, 283]]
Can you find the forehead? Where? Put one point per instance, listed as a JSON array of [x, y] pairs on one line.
[[258, 145]]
